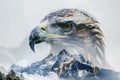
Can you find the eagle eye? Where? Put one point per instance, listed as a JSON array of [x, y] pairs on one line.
[[67, 26]]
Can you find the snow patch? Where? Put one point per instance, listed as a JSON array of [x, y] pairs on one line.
[[51, 76]]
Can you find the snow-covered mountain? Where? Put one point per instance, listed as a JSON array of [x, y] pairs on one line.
[[78, 69], [52, 65]]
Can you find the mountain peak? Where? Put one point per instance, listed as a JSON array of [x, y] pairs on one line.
[[66, 66]]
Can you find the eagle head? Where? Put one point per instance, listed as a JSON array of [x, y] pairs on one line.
[[73, 30]]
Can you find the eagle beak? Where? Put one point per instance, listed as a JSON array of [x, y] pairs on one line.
[[37, 35]]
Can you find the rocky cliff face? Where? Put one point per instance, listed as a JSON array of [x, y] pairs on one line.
[[11, 76]]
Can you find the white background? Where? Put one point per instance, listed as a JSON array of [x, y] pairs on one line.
[[19, 17]]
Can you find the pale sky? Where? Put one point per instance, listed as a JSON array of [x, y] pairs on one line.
[[19, 17]]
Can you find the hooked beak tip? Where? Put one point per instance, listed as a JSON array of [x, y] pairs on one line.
[[31, 44]]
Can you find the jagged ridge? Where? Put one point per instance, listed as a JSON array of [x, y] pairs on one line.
[[66, 67]]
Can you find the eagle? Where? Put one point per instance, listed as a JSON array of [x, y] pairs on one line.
[[74, 31]]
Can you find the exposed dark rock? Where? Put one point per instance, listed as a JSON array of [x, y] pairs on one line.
[[2, 76], [11, 76]]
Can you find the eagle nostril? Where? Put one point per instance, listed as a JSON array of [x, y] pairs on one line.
[[43, 28]]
